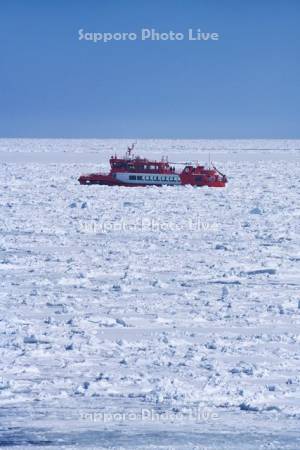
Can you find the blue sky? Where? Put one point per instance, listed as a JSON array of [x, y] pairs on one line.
[[246, 85]]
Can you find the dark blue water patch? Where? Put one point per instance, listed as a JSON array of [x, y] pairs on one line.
[[34, 438], [15, 436]]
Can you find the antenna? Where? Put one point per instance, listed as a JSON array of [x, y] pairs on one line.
[[130, 149]]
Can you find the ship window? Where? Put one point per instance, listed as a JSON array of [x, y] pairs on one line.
[[114, 175], [132, 177], [198, 178], [139, 177]]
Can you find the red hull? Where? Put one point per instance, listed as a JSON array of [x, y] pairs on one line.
[[107, 180]]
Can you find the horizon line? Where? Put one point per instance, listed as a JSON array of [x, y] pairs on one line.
[[158, 138]]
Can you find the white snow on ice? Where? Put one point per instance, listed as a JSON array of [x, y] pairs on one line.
[[149, 301]]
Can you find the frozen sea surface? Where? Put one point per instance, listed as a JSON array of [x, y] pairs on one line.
[[149, 318]]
